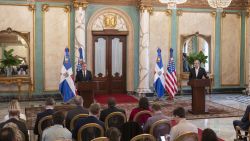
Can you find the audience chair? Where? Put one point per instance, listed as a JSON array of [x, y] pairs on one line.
[[74, 120], [160, 128], [130, 130], [139, 114], [44, 123], [190, 136], [143, 137], [239, 130], [101, 139], [115, 119], [89, 129]]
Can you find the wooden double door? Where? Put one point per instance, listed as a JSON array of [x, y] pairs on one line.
[[109, 62]]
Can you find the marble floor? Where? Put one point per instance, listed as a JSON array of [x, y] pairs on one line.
[[222, 126]]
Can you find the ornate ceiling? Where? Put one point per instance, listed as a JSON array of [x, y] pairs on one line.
[[236, 4]]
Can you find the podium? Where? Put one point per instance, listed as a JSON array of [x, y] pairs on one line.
[[198, 95], [85, 90]]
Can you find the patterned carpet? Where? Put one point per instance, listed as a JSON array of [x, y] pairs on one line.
[[215, 110]]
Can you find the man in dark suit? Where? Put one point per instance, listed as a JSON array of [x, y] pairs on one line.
[[49, 110], [94, 111], [76, 111], [197, 72], [83, 74], [244, 122], [111, 108]]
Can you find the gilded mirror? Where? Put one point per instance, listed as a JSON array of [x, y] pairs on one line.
[[195, 43], [14, 53]]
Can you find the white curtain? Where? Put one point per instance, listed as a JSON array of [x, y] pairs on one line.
[[100, 57], [116, 57]]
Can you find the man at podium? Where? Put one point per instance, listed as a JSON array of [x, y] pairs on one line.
[[83, 74], [197, 72]]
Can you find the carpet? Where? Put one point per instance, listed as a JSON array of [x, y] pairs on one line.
[[120, 98], [215, 110]]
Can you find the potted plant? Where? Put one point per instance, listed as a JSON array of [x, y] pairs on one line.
[[197, 56], [9, 60]]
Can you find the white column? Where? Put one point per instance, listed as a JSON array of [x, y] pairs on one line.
[[144, 52], [80, 31]]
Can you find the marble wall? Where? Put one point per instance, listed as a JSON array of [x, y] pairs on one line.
[[56, 38], [19, 18], [159, 37], [230, 50]]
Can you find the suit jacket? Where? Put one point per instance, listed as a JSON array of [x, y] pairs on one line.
[[21, 125], [245, 119], [84, 121], [80, 76], [45, 113], [106, 112], [72, 113], [201, 73]]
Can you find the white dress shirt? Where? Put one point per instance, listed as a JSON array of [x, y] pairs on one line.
[[196, 72], [182, 127]]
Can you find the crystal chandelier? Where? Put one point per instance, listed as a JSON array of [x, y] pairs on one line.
[[219, 4], [172, 3]]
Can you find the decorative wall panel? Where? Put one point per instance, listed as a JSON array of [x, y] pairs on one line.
[[56, 38], [19, 18], [160, 32], [230, 50], [247, 59]]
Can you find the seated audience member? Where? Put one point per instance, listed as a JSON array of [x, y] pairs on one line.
[[14, 105], [209, 135], [19, 127], [7, 134], [244, 122], [111, 108], [143, 105], [76, 111], [182, 126], [57, 131], [94, 111], [49, 110], [157, 115], [113, 134]]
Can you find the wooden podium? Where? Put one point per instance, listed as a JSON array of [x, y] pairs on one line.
[[198, 95], [85, 90]]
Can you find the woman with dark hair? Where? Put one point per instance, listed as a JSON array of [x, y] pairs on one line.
[[143, 105], [209, 135], [113, 134]]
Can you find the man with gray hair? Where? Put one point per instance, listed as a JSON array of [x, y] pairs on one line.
[[79, 109]]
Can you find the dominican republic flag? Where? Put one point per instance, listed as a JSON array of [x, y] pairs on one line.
[[170, 77], [67, 86], [159, 81], [80, 59]]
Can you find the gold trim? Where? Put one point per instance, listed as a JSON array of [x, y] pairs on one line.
[[32, 7], [67, 9], [179, 12], [223, 14], [77, 4], [221, 43], [213, 14], [45, 8], [247, 13], [150, 10], [168, 12], [246, 62], [34, 45], [43, 16]]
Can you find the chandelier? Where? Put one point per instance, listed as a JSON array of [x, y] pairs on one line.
[[219, 4], [172, 3]]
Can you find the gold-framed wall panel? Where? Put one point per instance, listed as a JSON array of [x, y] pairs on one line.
[[247, 51], [62, 51], [32, 47], [160, 36], [222, 77], [180, 13]]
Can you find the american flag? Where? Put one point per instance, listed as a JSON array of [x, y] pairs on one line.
[[170, 77]]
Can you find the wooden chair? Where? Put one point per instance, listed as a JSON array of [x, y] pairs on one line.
[[114, 118], [74, 120], [190, 136], [142, 137], [89, 126], [101, 139], [160, 128], [239, 130], [139, 114], [42, 121]]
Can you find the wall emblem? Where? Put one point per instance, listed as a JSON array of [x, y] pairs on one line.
[[110, 21]]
